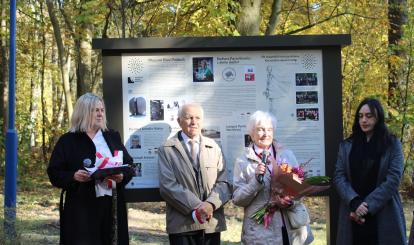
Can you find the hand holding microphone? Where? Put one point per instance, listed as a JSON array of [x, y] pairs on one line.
[[261, 168], [82, 175]]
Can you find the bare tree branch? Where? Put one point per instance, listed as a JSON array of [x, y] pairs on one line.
[[68, 22], [107, 17], [325, 20]]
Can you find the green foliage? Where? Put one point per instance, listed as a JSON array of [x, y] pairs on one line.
[[24, 128], [89, 12], [365, 62], [401, 107], [174, 18]]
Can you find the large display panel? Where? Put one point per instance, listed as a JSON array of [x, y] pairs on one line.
[[297, 77], [230, 86]]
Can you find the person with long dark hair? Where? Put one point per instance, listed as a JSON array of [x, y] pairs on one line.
[[367, 176]]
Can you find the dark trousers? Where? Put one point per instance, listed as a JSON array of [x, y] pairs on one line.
[[367, 233], [194, 238]]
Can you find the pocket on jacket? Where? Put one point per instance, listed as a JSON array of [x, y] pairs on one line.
[[211, 170], [210, 165]]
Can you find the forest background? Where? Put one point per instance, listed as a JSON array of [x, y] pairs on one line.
[[55, 63]]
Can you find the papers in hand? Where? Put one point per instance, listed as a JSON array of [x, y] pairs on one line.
[[105, 166], [102, 173]]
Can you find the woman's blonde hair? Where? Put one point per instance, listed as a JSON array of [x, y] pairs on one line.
[[81, 119]]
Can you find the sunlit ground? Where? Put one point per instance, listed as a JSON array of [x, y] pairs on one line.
[[37, 220]]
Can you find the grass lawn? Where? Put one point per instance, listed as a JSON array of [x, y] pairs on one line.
[[37, 219]]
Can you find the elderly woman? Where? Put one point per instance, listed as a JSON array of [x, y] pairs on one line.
[[86, 213], [252, 188]]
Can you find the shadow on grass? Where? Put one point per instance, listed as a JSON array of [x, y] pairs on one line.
[[152, 236], [229, 243], [148, 236], [34, 232]]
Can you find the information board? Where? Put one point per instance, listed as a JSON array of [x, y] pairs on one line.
[[230, 86], [297, 77]]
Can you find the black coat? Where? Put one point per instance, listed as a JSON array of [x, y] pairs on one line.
[[82, 212]]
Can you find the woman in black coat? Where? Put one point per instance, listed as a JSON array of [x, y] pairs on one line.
[[86, 204], [367, 177]]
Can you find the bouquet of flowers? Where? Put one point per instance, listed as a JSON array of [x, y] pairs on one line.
[[289, 181]]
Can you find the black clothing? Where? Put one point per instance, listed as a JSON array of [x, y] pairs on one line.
[[84, 218], [364, 165], [195, 238]]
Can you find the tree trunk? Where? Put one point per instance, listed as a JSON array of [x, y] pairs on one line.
[[33, 101], [83, 43], [61, 56], [123, 18], [42, 86], [3, 67], [96, 72], [249, 17], [84, 57], [107, 21], [33, 109], [57, 106], [274, 17], [397, 17]]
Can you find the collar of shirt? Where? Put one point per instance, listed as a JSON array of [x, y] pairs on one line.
[[187, 142], [259, 150], [101, 145], [98, 137]]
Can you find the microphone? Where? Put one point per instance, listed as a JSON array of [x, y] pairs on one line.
[[87, 163], [265, 155]]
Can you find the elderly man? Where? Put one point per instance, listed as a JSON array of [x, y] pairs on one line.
[[193, 182]]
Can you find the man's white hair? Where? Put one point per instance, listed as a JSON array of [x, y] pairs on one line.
[[182, 109]]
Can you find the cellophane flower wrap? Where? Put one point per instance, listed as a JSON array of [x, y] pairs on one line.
[[288, 181]]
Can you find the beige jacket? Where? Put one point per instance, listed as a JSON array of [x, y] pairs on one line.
[[252, 195], [178, 185]]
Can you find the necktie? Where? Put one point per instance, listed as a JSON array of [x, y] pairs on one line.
[[193, 150]]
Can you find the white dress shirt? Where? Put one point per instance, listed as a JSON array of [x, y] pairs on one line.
[[101, 187], [188, 145]]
